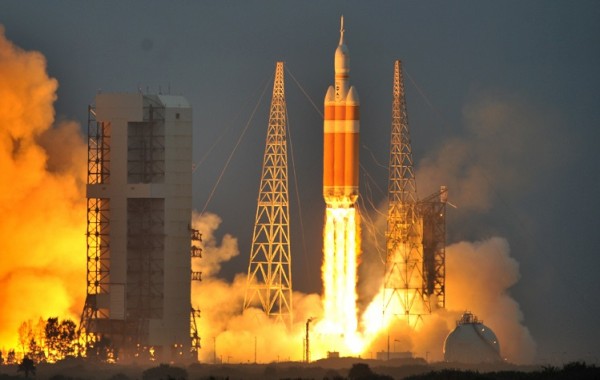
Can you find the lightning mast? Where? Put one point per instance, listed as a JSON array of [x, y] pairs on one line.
[[403, 281], [270, 269]]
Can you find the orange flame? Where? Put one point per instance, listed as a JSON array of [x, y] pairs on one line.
[[42, 242]]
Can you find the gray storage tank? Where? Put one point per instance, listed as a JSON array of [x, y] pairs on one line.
[[471, 342]]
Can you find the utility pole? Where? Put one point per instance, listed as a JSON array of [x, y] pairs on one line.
[[255, 350], [395, 340], [308, 321], [388, 342]]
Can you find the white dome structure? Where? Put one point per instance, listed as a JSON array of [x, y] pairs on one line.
[[471, 342]]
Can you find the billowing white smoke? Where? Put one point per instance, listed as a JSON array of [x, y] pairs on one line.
[[508, 146], [507, 149], [223, 324], [42, 199], [502, 154], [214, 253], [478, 278]]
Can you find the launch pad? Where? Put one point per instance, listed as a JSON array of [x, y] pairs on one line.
[[414, 278], [136, 295]]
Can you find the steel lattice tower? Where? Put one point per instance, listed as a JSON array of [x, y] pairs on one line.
[[97, 234], [403, 282], [433, 212], [270, 269]]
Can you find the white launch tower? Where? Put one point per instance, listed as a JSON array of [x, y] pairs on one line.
[[139, 197]]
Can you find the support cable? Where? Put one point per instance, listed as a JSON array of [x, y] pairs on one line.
[[305, 93], [374, 158], [370, 225], [306, 266], [229, 125], [422, 93], [506, 205], [306, 261], [234, 149], [366, 173]]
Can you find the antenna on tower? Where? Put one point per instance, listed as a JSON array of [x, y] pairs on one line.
[[269, 282]]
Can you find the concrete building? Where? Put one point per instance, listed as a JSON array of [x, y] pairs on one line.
[[139, 196]]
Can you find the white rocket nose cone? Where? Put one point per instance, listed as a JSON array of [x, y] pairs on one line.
[[352, 98], [330, 95], [342, 60]]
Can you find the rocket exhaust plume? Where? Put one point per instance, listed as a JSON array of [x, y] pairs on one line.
[[42, 241]]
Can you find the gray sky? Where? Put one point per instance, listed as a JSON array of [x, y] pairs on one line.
[[515, 82]]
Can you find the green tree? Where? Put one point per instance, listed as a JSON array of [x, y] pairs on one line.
[[40, 333], [25, 335], [60, 338], [165, 371], [10, 358], [360, 371], [52, 334], [68, 333], [27, 366], [36, 352]]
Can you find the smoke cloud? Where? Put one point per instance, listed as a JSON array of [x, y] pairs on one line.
[[508, 145], [501, 153], [478, 278], [214, 253], [223, 326], [42, 200]]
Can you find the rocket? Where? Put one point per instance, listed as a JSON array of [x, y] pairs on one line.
[[340, 129]]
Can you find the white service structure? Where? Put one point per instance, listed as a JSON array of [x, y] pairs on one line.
[[139, 202]]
